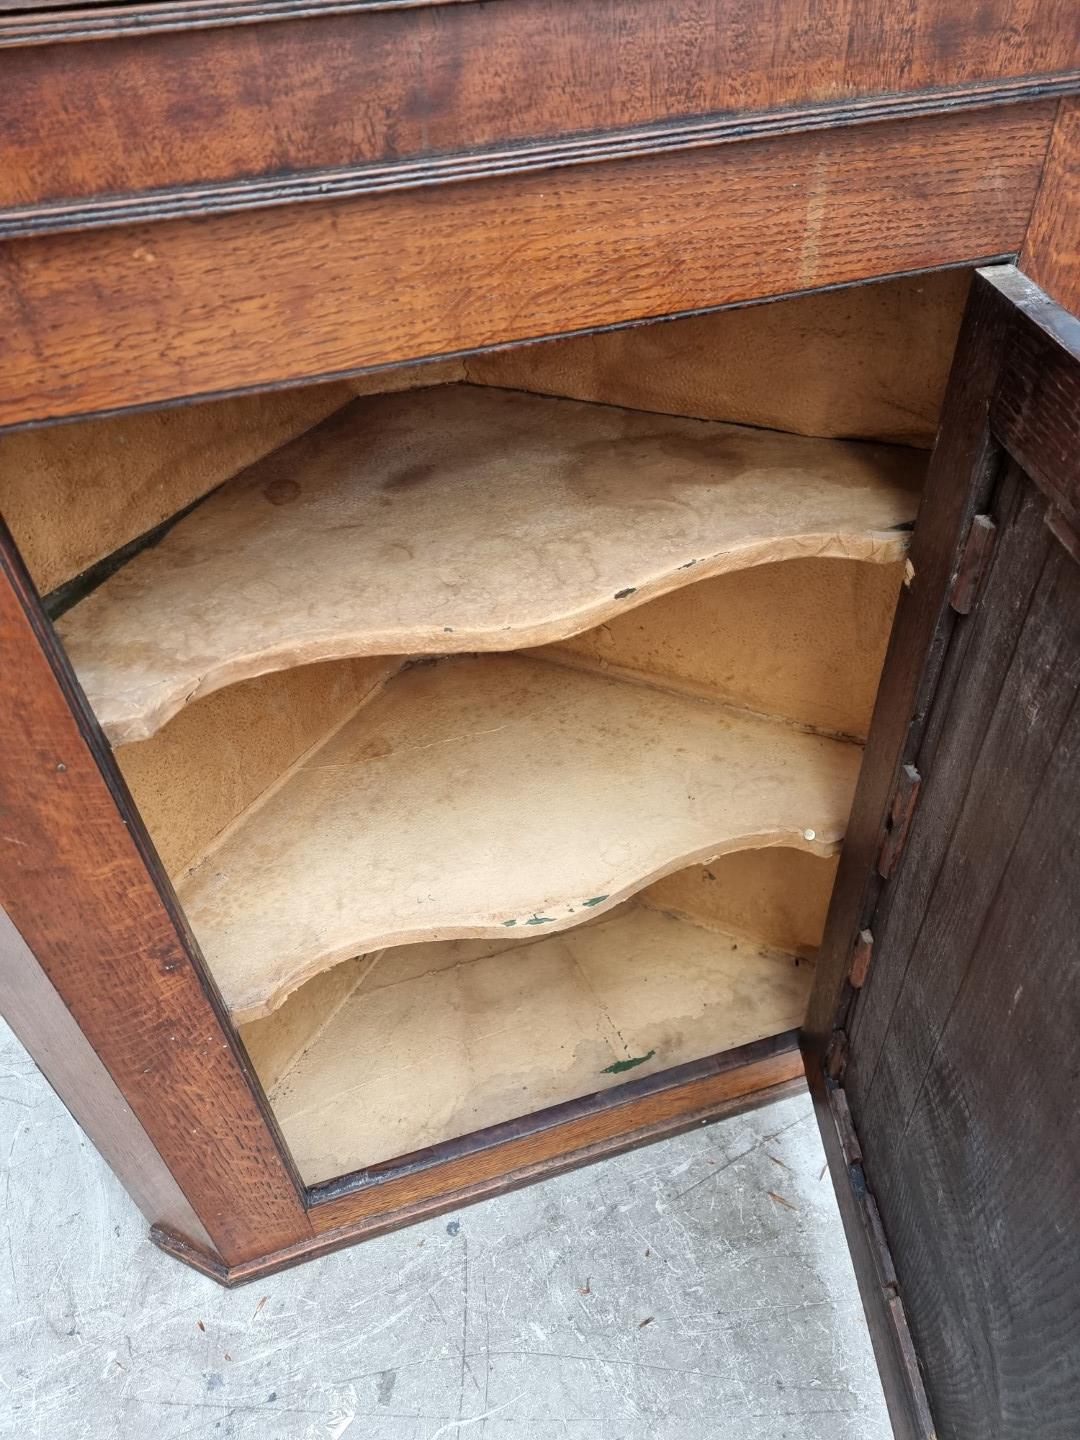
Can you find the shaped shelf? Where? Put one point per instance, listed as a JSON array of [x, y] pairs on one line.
[[495, 795], [568, 1016], [460, 519]]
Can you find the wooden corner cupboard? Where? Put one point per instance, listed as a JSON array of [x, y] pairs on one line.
[[540, 606]]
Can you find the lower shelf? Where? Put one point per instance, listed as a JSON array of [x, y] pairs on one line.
[[439, 1040]]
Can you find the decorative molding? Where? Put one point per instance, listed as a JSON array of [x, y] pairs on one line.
[[221, 197], [61, 27]]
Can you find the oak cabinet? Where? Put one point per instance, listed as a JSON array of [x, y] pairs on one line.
[[537, 616]]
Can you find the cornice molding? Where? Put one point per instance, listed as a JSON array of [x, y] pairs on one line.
[[60, 27], [194, 201]]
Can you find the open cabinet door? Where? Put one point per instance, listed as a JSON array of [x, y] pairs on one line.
[[943, 1043]]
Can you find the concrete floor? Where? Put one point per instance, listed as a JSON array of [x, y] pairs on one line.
[[698, 1288]]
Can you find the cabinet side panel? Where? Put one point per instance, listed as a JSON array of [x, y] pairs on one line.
[[43, 1023], [77, 879]]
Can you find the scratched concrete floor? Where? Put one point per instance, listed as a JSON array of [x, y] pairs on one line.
[[519, 1319]]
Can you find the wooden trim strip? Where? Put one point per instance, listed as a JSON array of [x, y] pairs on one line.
[[62, 27], [905, 1394], [521, 1156], [351, 1231], [149, 206]]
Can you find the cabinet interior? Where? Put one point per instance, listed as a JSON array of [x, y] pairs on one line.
[[497, 720]]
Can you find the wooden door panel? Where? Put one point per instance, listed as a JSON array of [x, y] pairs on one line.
[[991, 1226], [949, 1091], [973, 793], [963, 1105]]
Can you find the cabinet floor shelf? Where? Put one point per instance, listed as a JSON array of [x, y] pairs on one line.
[[465, 518], [481, 796], [437, 1041]]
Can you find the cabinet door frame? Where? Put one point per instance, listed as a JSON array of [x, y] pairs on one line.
[[1013, 401]]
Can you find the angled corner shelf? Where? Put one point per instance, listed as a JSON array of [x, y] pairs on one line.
[[494, 796], [464, 518]]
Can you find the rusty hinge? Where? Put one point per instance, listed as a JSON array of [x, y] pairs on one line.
[[978, 547], [845, 1127], [860, 959], [899, 822], [836, 1053]]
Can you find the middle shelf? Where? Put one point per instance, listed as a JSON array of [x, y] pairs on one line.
[[485, 796]]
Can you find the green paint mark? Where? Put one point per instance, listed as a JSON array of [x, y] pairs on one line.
[[622, 594], [621, 1065], [540, 920], [507, 923], [596, 900]]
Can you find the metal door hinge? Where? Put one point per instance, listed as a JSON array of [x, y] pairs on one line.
[[836, 1053], [974, 563], [845, 1127], [899, 823], [860, 959]]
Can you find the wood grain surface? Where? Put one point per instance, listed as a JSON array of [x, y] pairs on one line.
[[961, 1066], [385, 93], [1051, 253], [969, 694], [965, 1054], [963, 473], [1035, 411], [144, 314], [961, 478], [78, 883]]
